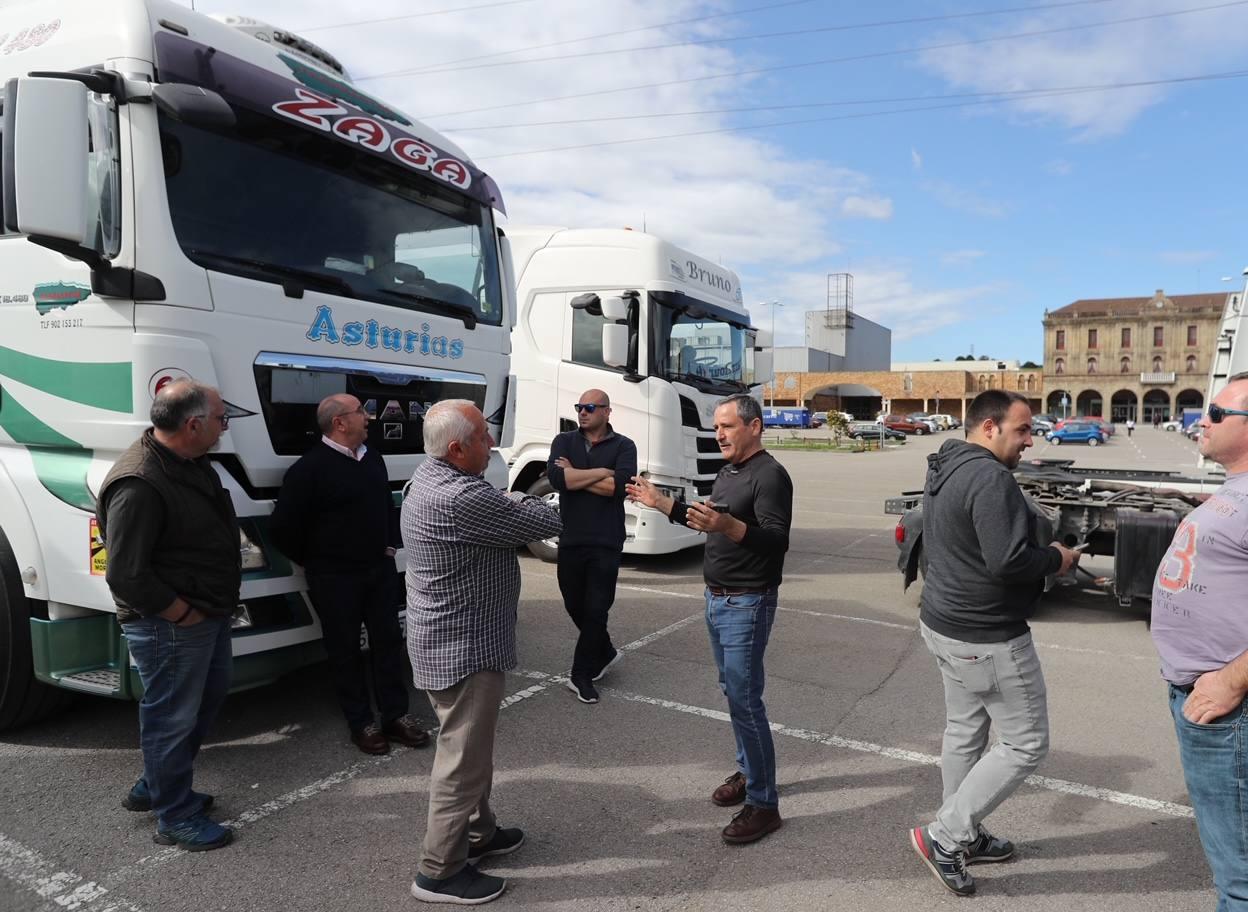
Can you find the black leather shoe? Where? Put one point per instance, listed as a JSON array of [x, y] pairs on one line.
[[406, 730], [370, 739]]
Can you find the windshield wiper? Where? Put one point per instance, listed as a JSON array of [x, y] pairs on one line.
[[435, 305], [302, 278]]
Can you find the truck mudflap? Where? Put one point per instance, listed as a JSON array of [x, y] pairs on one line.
[[1143, 536]]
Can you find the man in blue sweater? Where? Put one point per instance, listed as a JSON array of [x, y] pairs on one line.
[[335, 516], [589, 467]]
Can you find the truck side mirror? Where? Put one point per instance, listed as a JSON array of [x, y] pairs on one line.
[[614, 308], [615, 345], [45, 159], [764, 366], [193, 105]]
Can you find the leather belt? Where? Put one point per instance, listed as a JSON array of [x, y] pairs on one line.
[[721, 590], [1184, 688]]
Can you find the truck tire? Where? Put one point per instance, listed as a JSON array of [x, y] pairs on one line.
[[23, 699], [548, 548]]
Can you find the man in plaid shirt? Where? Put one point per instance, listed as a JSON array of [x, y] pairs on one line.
[[463, 585]]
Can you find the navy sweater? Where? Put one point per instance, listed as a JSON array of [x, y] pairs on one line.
[[588, 518]]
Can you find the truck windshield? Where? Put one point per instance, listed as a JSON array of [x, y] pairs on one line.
[[704, 350], [272, 201]]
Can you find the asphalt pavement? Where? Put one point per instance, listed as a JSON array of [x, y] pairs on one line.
[[614, 797]]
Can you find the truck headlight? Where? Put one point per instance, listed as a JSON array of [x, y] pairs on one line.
[[252, 554]]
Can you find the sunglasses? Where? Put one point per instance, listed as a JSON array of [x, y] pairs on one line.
[[1217, 413], [589, 407]]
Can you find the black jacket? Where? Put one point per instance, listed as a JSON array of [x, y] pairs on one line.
[[591, 519], [985, 570], [170, 530]]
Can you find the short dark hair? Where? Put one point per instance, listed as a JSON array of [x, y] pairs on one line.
[[748, 409], [177, 402], [992, 405], [1235, 378]]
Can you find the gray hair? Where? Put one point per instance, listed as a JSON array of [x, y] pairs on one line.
[[446, 422], [331, 407], [178, 402], [748, 409]]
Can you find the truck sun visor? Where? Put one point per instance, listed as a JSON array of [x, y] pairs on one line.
[[319, 101]]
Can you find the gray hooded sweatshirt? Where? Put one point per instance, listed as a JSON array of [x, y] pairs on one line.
[[985, 572]]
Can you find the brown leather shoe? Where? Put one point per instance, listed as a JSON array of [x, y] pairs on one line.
[[370, 739], [406, 730], [731, 792], [751, 824]]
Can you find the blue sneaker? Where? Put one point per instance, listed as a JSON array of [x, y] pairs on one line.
[[139, 798], [195, 834], [948, 865]]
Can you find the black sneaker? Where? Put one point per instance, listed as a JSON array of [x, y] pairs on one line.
[[503, 842], [467, 887], [949, 867], [987, 847], [583, 689], [616, 655]]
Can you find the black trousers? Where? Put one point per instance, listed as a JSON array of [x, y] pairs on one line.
[[344, 601], [587, 576]]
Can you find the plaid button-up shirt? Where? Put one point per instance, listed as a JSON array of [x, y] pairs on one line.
[[463, 577]]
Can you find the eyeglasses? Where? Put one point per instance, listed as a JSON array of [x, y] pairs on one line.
[[223, 418], [589, 407], [1217, 413]]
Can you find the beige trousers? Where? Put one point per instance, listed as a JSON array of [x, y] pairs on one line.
[[463, 772]]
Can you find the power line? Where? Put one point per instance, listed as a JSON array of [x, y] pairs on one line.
[[1052, 93], [1005, 93], [441, 12], [854, 58], [631, 31], [917, 20]]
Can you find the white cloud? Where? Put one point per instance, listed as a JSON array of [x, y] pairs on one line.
[[961, 257], [962, 199], [870, 207], [916, 159], [1125, 52]]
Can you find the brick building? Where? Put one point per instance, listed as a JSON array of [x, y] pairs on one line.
[[1131, 357]]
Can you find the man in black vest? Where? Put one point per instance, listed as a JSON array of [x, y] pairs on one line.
[[589, 467], [336, 517], [175, 574]]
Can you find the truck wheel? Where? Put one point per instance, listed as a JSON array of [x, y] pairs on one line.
[[548, 548], [1094, 441], [23, 699]]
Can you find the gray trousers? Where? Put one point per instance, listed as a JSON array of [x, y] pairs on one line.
[[986, 684], [463, 772]]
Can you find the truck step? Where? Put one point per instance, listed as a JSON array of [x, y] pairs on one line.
[[104, 681]]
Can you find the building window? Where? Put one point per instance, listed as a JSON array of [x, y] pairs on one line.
[[1031, 383], [1157, 365], [907, 383], [1091, 365], [1061, 340], [1191, 336], [1091, 338], [1124, 366], [1126, 337], [1191, 364], [1159, 337], [1059, 366], [1022, 383]]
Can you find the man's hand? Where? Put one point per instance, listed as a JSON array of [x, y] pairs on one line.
[[563, 462], [1212, 697], [178, 614], [704, 518], [1070, 558], [642, 491]]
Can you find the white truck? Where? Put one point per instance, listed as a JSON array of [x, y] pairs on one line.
[[186, 196], [662, 331]]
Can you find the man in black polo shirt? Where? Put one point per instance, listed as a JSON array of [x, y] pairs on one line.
[[335, 516], [590, 468], [746, 522]]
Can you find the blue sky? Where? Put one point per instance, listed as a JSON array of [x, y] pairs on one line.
[[960, 225]]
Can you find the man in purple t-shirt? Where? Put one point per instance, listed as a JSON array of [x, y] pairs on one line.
[[1200, 629]]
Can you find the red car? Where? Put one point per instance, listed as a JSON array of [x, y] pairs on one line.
[[898, 423]]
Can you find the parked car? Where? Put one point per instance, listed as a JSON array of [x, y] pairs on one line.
[[1107, 427], [923, 418], [1174, 424], [818, 419], [1090, 432], [1051, 419], [1040, 427], [898, 423], [948, 422], [870, 429], [1193, 432]]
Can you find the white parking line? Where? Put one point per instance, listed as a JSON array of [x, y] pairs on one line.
[[1048, 783], [26, 868]]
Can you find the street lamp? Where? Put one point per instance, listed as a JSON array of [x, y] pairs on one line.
[[773, 304]]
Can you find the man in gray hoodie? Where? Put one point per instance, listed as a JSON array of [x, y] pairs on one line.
[[985, 573]]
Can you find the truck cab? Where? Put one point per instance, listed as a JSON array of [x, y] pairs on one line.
[[185, 196], [660, 329]]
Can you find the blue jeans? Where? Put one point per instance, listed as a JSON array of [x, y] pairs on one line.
[[186, 676], [739, 626], [1215, 767]]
